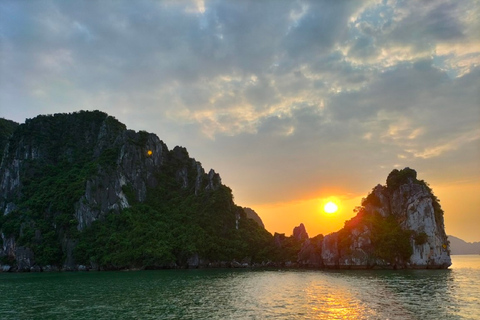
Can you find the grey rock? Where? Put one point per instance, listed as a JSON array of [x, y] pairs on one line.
[[25, 258], [50, 268], [278, 239], [5, 268], [193, 261], [35, 268], [235, 264], [310, 254], [300, 233], [81, 267]]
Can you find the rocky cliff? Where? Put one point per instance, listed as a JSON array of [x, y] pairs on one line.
[[82, 189], [399, 225]]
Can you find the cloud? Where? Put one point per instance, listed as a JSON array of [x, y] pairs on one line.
[[454, 144], [275, 96]]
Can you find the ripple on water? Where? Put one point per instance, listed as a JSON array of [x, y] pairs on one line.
[[244, 294]]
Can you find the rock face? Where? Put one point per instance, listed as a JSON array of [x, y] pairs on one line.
[[310, 254], [299, 233], [399, 225], [59, 174]]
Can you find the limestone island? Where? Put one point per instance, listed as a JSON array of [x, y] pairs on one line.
[[80, 191]]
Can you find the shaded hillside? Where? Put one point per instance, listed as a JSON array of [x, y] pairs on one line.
[[251, 214], [81, 189], [459, 246]]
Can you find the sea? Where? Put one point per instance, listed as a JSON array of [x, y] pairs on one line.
[[246, 294]]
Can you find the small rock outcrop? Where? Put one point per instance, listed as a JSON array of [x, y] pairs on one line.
[[299, 233]]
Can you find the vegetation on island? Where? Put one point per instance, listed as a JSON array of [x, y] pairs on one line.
[[170, 228], [183, 219]]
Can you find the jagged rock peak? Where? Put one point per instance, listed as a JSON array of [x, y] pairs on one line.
[[300, 233]]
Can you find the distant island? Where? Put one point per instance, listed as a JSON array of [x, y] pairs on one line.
[[80, 191], [459, 246]]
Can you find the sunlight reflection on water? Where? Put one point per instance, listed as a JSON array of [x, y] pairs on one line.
[[244, 294]]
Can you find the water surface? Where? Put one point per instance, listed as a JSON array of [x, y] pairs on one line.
[[246, 294]]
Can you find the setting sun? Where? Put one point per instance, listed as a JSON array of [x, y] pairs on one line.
[[330, 207]]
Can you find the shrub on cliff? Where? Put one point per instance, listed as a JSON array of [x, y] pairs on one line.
[[399, 177]]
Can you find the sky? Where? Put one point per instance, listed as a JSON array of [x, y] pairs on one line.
[[292, 102]]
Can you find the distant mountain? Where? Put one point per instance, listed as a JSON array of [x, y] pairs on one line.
[[459, 246]]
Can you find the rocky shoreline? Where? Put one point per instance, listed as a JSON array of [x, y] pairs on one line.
[[221, 265]]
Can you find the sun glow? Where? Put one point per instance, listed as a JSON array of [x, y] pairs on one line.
[[330, 207]]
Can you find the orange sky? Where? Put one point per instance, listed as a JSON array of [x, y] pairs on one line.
[[283, 217]]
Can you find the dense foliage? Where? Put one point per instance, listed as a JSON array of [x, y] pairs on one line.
[[398, 177], [371, 199], [170, 228], [6, 129], [390, 241], [288, 248]]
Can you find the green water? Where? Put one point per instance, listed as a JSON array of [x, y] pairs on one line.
[[246, 294]]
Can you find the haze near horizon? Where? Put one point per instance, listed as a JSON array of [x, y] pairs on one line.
[[293, 103]]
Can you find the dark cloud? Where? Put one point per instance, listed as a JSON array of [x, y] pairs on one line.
[[399, 89], [429, 21], [363, 47], [316, 31]]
